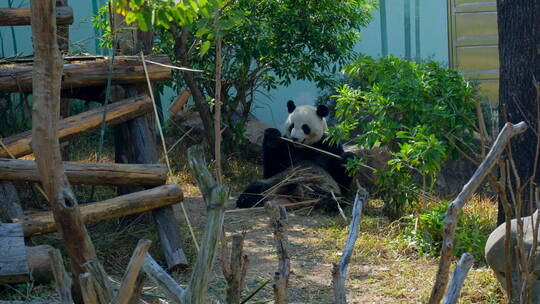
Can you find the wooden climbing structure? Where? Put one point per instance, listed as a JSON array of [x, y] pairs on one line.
[[143, 181]]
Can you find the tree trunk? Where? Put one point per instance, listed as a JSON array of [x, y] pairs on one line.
[[519, 57], [181, 46]]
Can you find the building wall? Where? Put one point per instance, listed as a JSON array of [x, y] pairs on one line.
[[417, 29]]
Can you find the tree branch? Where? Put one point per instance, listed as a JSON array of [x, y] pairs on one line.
[[452, 214]]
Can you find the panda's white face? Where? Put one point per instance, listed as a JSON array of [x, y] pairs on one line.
[[305, 124]]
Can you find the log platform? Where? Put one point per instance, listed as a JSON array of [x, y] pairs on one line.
[[133, 203], [148, 175], [82, 72], [13, 263], [118, 112]]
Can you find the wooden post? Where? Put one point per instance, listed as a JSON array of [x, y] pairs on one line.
[[63, 281], [215, 198], [339, 271], [454, 209], [234, 268], [279, 221], [63, 44], [47, 76], [10, 205]]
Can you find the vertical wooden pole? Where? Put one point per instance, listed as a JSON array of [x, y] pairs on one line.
[[63, 44], [135, 143], [47, 77]]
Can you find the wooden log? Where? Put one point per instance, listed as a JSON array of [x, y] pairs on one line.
[[19, 145], [179, 103], [460, 273], [21, 16], [339, 271], [17, 77], [39, 263], [46, 79], [452, 213], [92, 213], [10, 205], [61, 277], [132, 272], [13, 264], [164, 281], [24, 302], [85, 173], [279, 222]]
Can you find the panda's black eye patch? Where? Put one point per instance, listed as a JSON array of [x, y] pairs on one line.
[[306, 129], [291, 127]]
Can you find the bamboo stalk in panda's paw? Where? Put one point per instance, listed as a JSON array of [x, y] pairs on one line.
[[311, 147]]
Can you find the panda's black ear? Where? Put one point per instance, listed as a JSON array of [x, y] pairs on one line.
[[322, 111], [291, 106]]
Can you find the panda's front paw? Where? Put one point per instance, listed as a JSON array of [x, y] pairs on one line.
[[251, 196], [272, 133]]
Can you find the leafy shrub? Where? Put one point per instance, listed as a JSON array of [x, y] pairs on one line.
[[422, 112], [425, 232]]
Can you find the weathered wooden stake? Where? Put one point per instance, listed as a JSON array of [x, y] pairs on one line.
[[61, 277], [339, 271], [452, 214], [279, 221], [132, 272], [460, 273], [215, 197], [10, 205], [234, 268]]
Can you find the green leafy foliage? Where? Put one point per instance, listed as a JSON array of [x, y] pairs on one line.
[[422, 112], [265, 44], [425, 232]]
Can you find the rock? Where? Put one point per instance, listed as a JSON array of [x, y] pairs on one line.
[[495, 255]]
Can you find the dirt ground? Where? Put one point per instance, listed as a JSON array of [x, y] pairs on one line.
[[383, 279]]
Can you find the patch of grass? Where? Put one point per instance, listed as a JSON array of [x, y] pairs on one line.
[[424, 231], [28, 292]]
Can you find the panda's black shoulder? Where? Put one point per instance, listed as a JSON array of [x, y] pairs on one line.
[[324, 144]]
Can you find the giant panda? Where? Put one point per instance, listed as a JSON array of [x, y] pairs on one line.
[[304, 125]]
